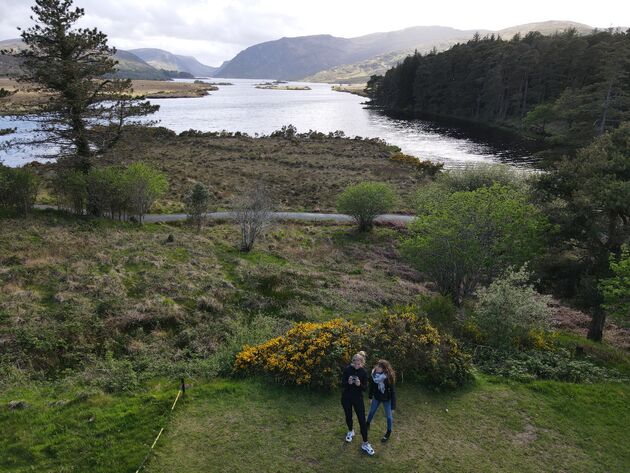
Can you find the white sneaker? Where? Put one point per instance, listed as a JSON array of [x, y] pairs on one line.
[[367, 448], [349, 436]]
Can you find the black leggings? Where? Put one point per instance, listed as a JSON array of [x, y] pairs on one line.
[[357, 402]]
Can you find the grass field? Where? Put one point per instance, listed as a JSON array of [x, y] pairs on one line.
[[254, 426], [247, 426]]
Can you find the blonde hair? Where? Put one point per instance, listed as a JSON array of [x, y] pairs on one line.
[[360, 355]]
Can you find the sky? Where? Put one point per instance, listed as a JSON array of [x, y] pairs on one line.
[[216, 30]]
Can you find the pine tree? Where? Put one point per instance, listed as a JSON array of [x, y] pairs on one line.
[[86, 113]]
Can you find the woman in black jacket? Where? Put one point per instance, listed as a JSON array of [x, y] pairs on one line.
[[354, 381], [383, 391]]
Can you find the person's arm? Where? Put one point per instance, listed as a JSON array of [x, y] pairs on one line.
[[393, 391]]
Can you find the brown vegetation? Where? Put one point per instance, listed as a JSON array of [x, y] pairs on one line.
[[24, 98], [301, 173]]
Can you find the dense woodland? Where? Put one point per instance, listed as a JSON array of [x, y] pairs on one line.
[[566, 88]]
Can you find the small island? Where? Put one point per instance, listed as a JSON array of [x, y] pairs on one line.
[[280, 85]]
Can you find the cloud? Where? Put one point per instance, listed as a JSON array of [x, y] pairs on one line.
[[215, 30]]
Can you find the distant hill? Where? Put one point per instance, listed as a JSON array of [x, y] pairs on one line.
[[360, 72], [326, 58], [295, 58], [160, 59], [130, 64]]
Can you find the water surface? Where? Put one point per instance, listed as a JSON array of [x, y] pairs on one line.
[[242, 107]]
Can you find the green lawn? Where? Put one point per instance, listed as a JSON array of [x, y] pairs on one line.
[[247, 426], [65, 429]]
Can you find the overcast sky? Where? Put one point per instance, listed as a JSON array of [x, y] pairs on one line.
[[215, 30]]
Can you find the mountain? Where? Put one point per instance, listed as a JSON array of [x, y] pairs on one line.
[[160, 59], [130, 65], [295, 58], [325, 58]]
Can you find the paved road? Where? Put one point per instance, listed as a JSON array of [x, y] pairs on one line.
[[301, 216]]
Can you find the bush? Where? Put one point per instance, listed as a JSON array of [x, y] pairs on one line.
[[417, 350], [143, 185], [439, 309], [616, 289], [18, 189], [510, 311], [558, 365], [242, 333], [111, 191], [424, 168], [365, 201], [197, 200], [473, 177], [464, 239], [254, 213], [70, 188], [312, 354]]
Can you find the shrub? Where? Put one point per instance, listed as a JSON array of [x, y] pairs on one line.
[[467, 238], [473, 177], [557, 365], [417, 350], [424, 168], [365, 201], [510, 311], [112, 191], [254, 213], [241, 333], [143, 185], [616, 289], [18, 189], [196, 201], [312, 354], [70, 188], [106, 192], [439, 309]]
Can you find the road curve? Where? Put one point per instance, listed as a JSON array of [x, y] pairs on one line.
[[300, 216]]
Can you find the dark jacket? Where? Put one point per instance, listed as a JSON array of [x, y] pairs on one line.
[[388, 395], [352, 390]]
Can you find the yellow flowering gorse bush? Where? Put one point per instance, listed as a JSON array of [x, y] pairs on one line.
[[310, 354], [314, 354]]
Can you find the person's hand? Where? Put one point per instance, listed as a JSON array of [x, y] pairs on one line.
[[358, 382]]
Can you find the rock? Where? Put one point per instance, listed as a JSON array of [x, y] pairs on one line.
[[16, 405]]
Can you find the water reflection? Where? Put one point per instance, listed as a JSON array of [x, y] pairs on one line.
[[242, 107]]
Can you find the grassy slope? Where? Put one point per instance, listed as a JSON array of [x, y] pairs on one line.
[[51, 281], [86, 431], [247, 426]]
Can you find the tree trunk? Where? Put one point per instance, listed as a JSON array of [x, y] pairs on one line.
[[598, 320]]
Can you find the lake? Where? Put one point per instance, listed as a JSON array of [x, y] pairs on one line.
[[242, 107]]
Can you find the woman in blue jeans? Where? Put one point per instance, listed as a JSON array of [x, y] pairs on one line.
[[383, 391]]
